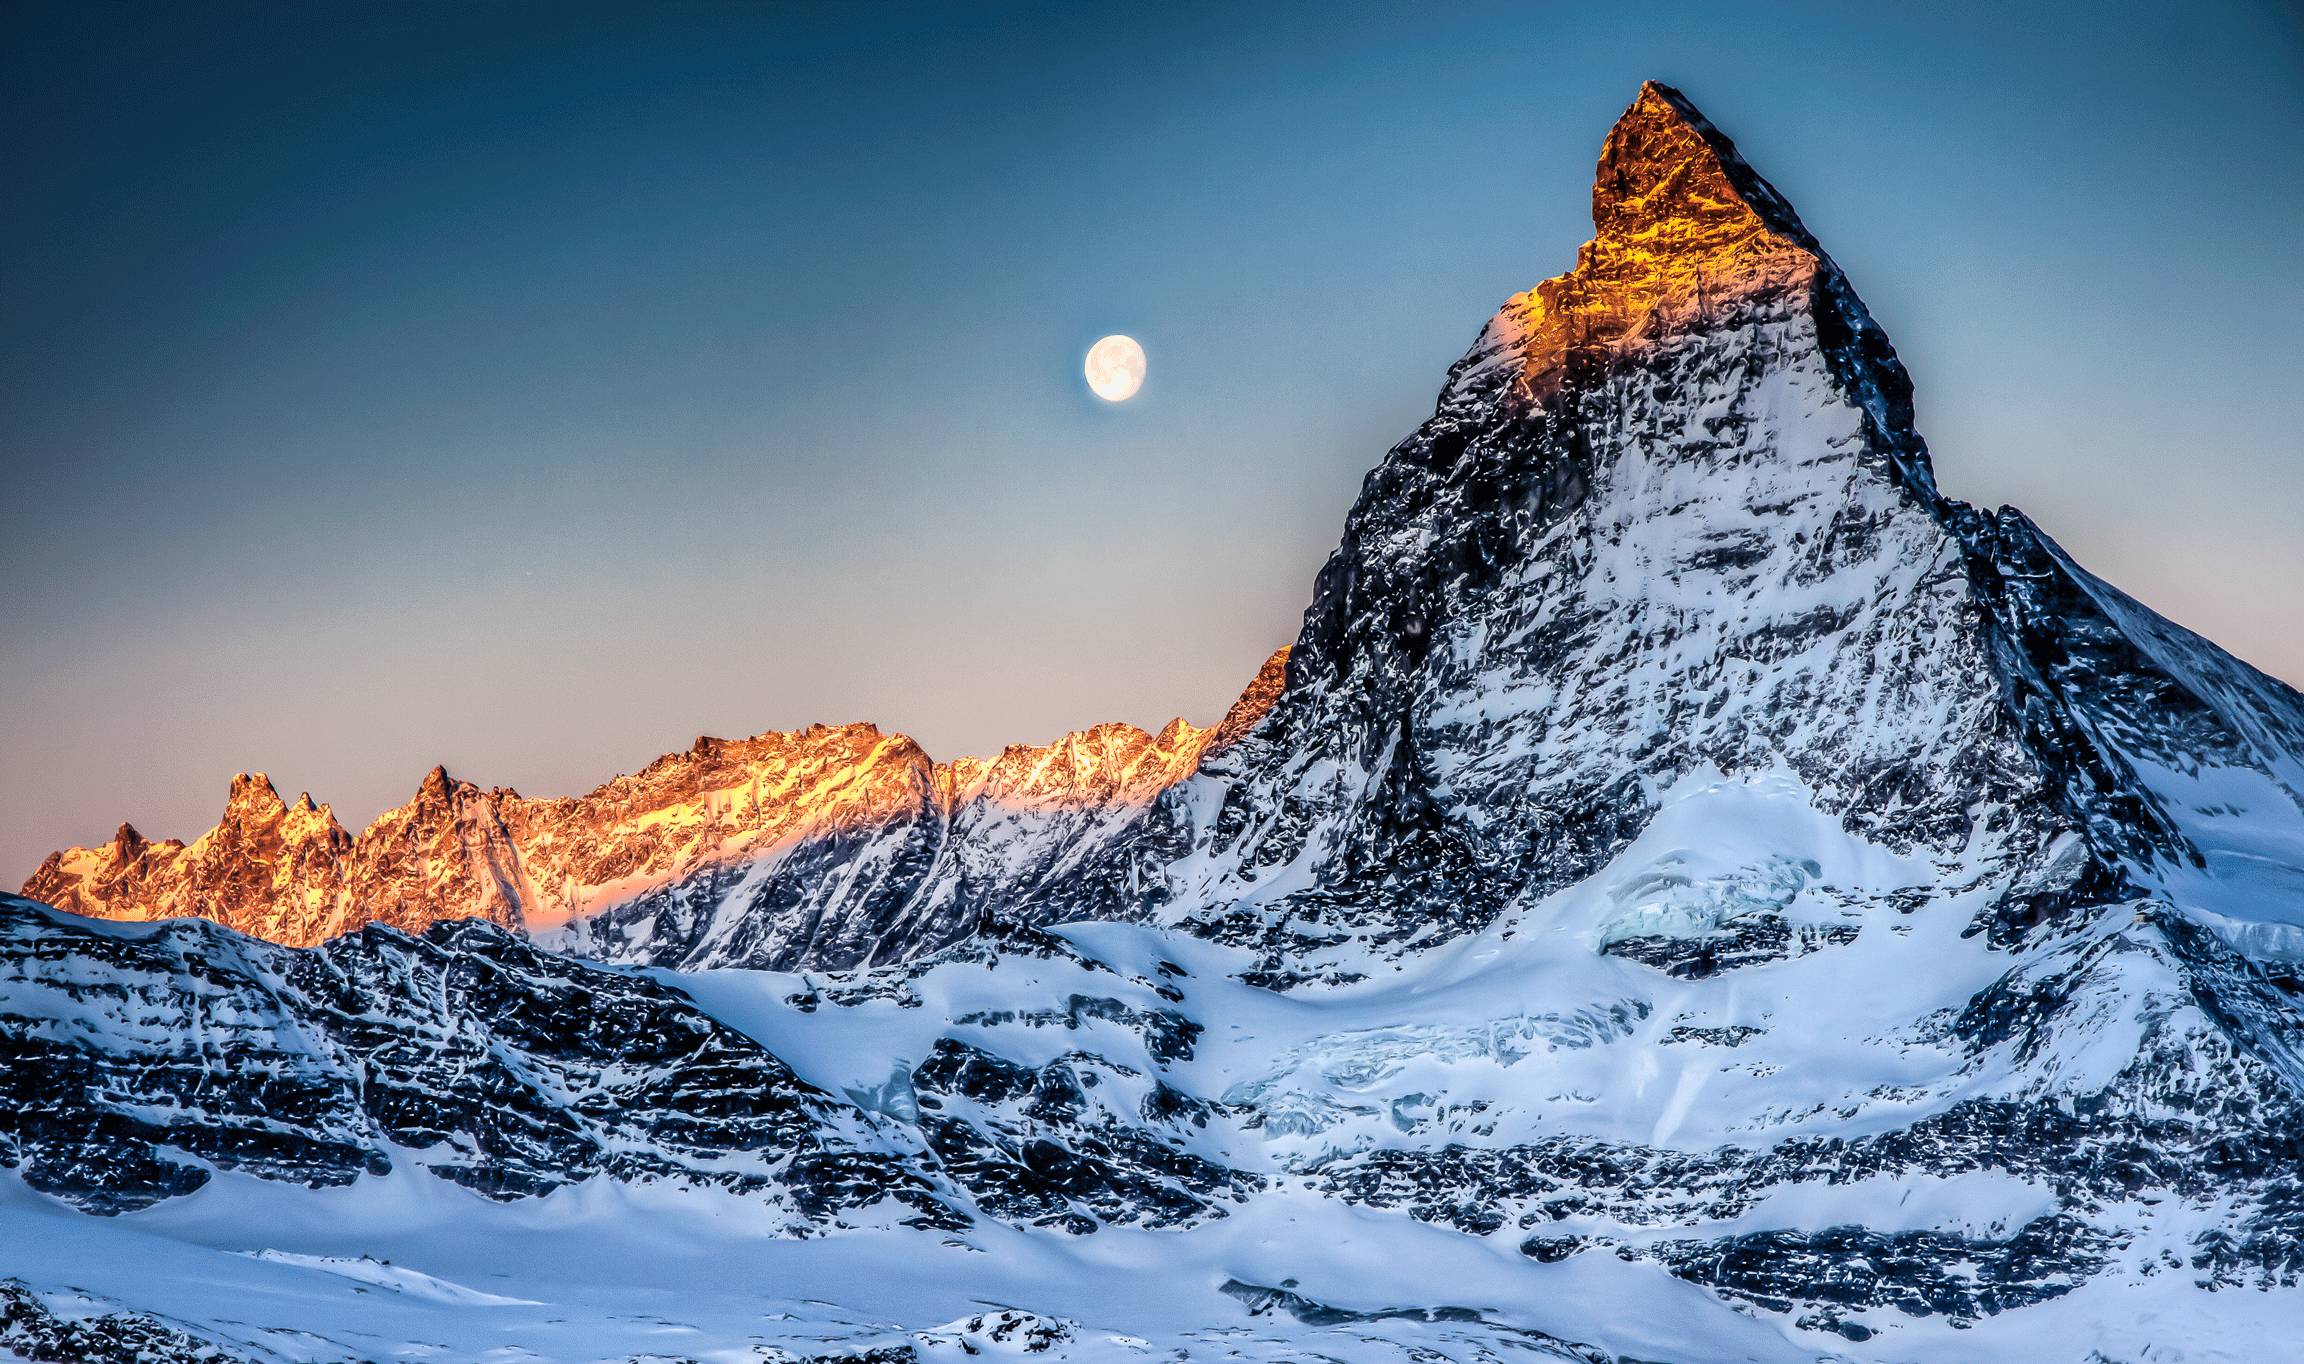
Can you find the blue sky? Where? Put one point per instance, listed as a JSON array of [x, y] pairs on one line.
[[534, 388]]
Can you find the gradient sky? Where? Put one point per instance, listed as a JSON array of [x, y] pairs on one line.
[[533, 389]]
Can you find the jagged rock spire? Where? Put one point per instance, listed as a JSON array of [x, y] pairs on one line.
[[253, 796]]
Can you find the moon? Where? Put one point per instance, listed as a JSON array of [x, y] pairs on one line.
[[1116, 368]]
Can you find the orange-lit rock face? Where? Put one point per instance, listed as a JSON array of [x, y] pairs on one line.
[[290, 858], [1683, 234], [899, 826]]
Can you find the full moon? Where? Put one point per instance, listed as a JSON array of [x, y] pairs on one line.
[[1116, 368]]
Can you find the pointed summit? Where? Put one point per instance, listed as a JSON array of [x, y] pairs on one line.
[[1685, 234], [1665, 165], [253, 797], [437, 784]]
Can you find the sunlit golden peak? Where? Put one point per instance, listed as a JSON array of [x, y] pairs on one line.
[[1683, 231]]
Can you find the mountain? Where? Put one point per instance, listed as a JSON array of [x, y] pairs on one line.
[[1670, 517], [829, 846], [1692, 891]]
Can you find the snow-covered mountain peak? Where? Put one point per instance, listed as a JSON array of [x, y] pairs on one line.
[[1670, 515], [1682, 854]]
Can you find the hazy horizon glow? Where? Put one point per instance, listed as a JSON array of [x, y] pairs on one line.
[[533, 388]]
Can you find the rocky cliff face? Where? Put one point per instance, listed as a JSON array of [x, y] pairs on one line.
[[1691, 891]]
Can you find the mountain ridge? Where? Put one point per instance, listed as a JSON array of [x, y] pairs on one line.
[[289, 872]]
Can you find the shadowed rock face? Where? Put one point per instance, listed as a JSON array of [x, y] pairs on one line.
[[135, 1062]]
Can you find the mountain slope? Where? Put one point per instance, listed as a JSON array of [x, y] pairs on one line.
[[139, 1061]]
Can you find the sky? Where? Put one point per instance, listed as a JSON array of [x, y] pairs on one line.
[[534, 388]]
